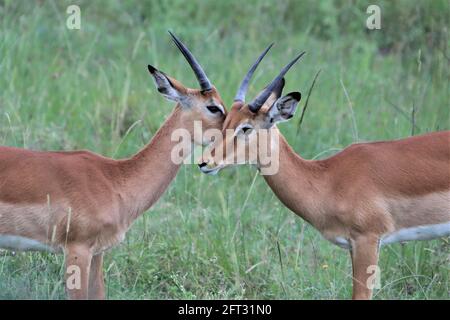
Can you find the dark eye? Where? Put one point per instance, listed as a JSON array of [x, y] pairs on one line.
[[213, 109]]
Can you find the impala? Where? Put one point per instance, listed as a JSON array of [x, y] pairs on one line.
[[81, 203], [365, 196]]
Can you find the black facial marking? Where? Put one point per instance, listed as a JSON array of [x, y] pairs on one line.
[[213, 109], [296, 95], [152, 69]]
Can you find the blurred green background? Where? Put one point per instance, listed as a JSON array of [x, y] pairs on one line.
[[226, 236]]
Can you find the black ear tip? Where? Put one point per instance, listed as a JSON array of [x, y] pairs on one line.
[[152, 69], [172, 35], [296, 95]]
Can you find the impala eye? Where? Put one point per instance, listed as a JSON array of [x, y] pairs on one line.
[[213, 109]]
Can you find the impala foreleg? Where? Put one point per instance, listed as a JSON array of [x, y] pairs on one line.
[[78, 264], [364, 254], [96, 281]]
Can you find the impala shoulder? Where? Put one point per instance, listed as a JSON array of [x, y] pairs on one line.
[[363, 147], [352, 154], [82, 154], [88, 159]]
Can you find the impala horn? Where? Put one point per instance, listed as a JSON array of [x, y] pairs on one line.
[[257, 103], [203, 80], [240, 95]]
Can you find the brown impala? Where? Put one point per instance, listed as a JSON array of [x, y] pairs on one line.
[[365, 196], [81, 203]]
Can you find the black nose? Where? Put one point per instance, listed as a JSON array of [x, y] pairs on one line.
[[201, 165]]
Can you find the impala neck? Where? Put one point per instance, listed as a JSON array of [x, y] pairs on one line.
[[298, 183], [148, 173]]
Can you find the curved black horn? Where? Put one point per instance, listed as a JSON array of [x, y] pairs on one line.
[[240, 95], [257, 103], [203, 80]]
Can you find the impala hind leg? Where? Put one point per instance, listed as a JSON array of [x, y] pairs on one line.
[[364, 254], [78, 264], [96, 281]]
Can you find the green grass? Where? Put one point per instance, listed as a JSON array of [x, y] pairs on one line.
[[64, 90]]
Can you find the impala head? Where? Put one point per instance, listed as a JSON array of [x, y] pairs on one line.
[[249, 133], [203, 105]]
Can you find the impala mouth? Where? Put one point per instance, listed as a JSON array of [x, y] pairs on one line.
[[210, 171]]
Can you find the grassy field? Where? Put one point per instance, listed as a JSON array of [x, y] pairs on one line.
[[228, 236]]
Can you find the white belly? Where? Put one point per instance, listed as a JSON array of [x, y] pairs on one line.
[[427, 232], [22, 244], [341, 242]]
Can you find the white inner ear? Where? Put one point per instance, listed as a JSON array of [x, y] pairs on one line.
[[165, 88], [282, 109], [273, 111], [273, 116]]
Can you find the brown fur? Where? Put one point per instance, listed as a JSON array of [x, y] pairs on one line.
[[360, 194], [84, 203]]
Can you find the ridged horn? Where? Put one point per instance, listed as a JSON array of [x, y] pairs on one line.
[[240, 95], [203, 80], [257, 103]]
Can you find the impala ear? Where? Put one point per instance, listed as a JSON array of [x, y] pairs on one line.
[[168, 87], [284, 108]]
